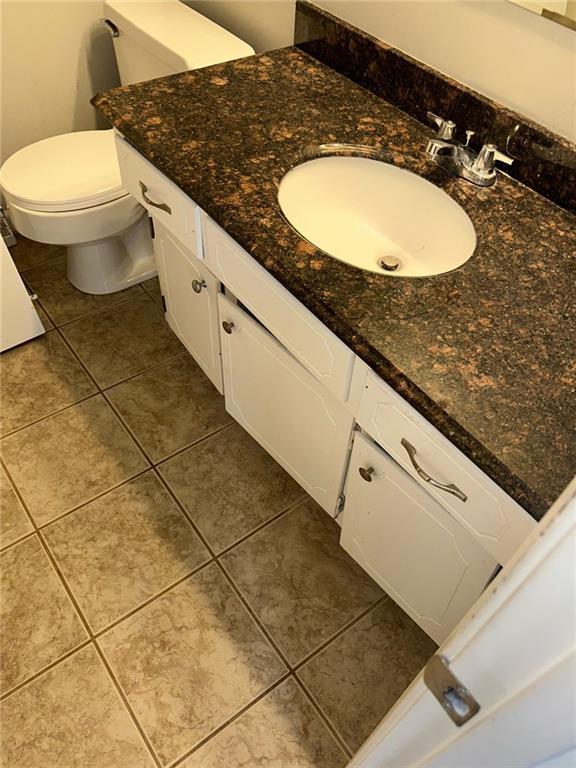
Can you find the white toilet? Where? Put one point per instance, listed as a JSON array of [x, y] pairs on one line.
[[67, 190]]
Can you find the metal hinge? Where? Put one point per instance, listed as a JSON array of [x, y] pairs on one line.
[[152, 230], [455, 698], [163, 300], [339, 506]]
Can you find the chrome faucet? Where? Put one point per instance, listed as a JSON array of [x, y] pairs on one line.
[[459, 159]]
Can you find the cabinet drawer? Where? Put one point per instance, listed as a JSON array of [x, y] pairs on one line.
[[495, 519], [161, 198], [320, 352], [428, 563]]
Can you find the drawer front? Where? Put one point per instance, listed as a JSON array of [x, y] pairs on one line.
[[495, 519], [161, 198], [320, 352]]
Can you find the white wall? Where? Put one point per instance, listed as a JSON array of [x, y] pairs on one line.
[[55, 56], [506, 52], [264, 24]]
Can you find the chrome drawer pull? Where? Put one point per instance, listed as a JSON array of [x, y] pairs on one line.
[[162, 206], [450, 488]]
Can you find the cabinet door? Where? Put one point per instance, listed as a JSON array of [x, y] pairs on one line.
[[426, 561], [190, 292], [302, 425]]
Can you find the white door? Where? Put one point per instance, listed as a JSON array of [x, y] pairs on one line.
[[190, 292], [425, 560], [283, 407], [515, 652]]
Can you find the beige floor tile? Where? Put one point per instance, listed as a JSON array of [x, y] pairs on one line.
[[70, 717], [14, 522], [281, 731], [39, 623], [39, 378], [67, 459], [170, 407], [300, 582], [28, 253], [122, 549], [359, 676], [152, 288], [62, 300], [229, 485], [190, 660], [123, 341]]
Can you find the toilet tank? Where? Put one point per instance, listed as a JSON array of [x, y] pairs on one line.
[[160, 38]]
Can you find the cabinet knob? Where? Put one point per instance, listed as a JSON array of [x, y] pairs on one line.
[[227, 326], [366, 473], [197, 285]]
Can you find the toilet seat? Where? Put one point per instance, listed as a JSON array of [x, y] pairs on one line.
[[69, 172]]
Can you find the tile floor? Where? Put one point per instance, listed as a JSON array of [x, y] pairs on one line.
[[170, 597]]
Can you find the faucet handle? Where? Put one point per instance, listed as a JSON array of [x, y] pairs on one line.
[[445, 127], [485, 161]]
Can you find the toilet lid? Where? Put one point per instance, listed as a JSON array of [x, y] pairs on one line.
[[64, 173]]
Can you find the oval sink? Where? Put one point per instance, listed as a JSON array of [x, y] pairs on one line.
[[376, 217]]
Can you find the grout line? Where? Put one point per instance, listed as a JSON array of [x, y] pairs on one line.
[[327, 722], [193, 444], [47, 668], [17, 541], [99, 495], [126, 703], [48, 415], [254, 615], [156, 595], [91, 639], [265, 524], [22, 272], [94, 312], [137, 440], [236, 716], [340, 632]]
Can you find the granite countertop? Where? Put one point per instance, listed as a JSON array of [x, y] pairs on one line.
[[485, 353]]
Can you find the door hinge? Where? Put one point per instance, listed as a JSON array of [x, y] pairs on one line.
[[339, 505], [163, 300], [152, 230], [455, 698]]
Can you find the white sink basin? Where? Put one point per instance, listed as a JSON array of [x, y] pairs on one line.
[[373, 215]]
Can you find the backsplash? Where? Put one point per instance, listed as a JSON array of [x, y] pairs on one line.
[[542, 160]]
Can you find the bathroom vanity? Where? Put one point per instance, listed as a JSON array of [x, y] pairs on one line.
[[410, 410]]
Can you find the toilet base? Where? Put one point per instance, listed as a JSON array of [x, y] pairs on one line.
[[114, 263]]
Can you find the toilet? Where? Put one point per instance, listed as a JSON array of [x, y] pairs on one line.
[[67, 190]]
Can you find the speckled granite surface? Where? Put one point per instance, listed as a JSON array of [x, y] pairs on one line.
[[486, 353], [542, 160]]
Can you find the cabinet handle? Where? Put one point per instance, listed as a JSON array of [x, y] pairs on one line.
[[162, 206], [366, 473], [197, 285], [227, 326], [449, 488]]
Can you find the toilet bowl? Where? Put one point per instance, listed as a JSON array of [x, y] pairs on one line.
[[67, 190]]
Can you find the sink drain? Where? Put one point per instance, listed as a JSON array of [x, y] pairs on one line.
[[388, 263]]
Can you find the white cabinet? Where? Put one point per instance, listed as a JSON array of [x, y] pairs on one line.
[[428, 563], [190, 292], [299, 422], [490, 515]]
